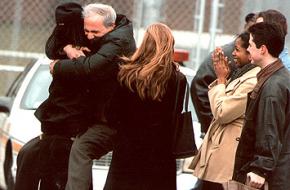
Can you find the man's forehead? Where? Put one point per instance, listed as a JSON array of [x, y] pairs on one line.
[[93, 23], [94, 18]]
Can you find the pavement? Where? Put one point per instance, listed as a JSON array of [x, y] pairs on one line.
[[185, 181]]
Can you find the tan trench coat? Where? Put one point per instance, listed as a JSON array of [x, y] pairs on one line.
[[215, 159]]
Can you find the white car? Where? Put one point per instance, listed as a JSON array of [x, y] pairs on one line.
[[28, 91]]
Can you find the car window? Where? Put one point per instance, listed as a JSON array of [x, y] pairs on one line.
[[37, 90], [13, 89]]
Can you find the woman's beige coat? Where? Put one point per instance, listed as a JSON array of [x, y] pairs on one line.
[[215, 159]]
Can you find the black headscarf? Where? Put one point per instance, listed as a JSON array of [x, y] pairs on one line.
[[69, 29]]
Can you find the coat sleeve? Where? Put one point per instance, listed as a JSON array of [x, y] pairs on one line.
[[182, 88], [53, 48], [115, 108], [96, 66], [199, 87], [226, 107]]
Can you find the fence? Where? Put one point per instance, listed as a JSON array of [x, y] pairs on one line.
[[198, 25]]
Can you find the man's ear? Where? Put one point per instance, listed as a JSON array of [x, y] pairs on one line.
[[113, 26], [263, 49]]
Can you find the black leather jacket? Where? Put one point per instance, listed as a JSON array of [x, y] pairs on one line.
[[264, 146]]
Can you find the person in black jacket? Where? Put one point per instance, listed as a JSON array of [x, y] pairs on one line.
[[110, 36], [205, 75], [263, 151], [44, 159]]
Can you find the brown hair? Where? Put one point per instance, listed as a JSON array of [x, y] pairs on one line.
[[270, 35], [274, 17], [148, 70]]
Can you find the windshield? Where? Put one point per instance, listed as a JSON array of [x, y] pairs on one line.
[[37, 89]]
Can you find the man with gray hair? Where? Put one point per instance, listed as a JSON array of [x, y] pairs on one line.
[[110, 36]]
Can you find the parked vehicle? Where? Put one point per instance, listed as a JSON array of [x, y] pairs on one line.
[[18, 124]]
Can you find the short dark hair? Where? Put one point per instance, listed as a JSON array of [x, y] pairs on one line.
[[274, 17], [269, 35], [251, 17], [245, 36]]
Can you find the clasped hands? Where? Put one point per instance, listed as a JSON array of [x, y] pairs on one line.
[[72, 52], [220, 65]]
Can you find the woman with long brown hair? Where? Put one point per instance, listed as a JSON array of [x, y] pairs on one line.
[[141, 111]]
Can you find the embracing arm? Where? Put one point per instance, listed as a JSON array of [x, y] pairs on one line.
[[53, 48], [94, 66], [181, 95]]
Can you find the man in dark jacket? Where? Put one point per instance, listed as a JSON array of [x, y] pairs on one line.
[[263, 151], [110, 36]]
